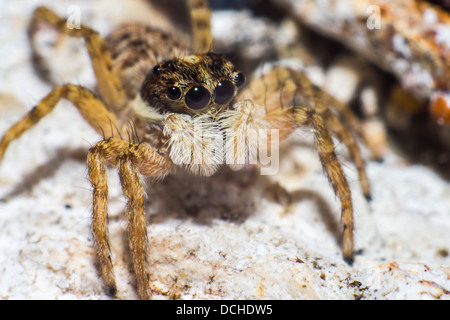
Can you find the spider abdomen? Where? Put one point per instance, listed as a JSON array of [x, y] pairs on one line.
[[136, 48]]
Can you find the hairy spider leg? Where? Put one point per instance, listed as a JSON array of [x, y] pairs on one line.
[[92, 109], [131, 160], [286, 87], [109, 86], [287, 114], [291, 119], [201, 26], [342, 123]]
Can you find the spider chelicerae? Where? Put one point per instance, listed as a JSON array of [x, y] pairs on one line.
[[158, 107]]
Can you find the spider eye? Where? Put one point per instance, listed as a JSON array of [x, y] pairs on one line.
[[173, 93], [197, 97], [156, 70], [224, 92], [239, 79]]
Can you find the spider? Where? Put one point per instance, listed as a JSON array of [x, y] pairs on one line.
[[190, 110]]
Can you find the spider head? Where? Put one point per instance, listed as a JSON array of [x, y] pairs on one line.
[[192, 85]]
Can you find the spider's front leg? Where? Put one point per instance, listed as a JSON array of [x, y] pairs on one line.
[[131, 160], [333, 170], [291, 118], [284, 88], [201, 25], [291, 101], [92, 109], [108, 83]]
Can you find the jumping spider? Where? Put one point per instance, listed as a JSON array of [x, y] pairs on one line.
[[145, 77]]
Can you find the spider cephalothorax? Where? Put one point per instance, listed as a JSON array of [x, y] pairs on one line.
[[192, 84], [187, 111], [190, 100]]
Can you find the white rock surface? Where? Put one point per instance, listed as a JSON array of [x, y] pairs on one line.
[[219, 238]]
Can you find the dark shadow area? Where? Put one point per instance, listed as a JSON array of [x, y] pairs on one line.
[[46, 170], [424, 142], [227, 195], [444, 4], [279, 194]]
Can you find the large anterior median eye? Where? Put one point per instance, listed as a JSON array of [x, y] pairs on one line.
[[224, 92], [197, 97]]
